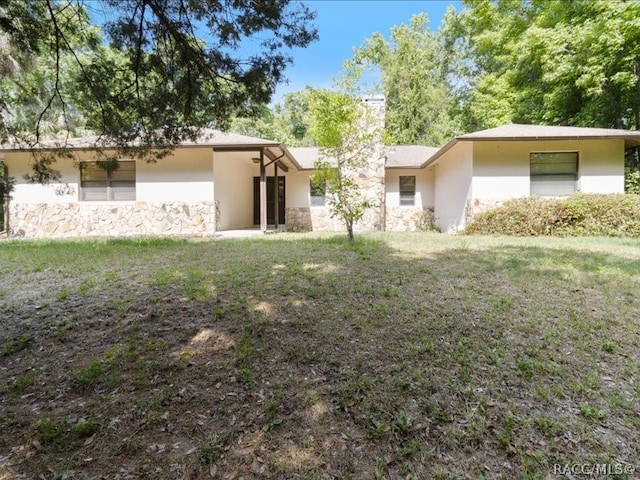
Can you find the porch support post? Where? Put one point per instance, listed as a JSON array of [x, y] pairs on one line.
[[276, 199], [263, 193]]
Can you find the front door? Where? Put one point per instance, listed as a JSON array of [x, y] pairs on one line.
[[271, 195]]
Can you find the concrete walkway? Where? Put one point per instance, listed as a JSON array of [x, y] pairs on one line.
[[244, 233]]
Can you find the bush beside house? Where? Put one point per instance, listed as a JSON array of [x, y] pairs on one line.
[[616, 215]]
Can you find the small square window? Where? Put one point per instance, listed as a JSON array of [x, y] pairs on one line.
[[317, 193], [407, 190]]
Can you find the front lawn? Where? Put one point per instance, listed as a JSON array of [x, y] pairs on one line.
[[300, 356]]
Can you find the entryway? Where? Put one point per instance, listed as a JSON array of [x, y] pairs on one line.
[[271, 196]]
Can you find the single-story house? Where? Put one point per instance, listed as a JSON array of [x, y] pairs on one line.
[[223, 181], [482, 169]]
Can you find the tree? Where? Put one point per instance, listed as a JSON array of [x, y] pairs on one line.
[[287, 122], [544, 62], [156, 69], [346, 134], [412, 71]]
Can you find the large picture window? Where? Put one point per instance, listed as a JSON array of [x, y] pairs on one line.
[[554, 174], [107, 184], [407, 190]]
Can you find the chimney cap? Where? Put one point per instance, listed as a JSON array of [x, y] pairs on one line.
[[374, 99]]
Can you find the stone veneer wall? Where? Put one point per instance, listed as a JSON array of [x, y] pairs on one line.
[[371, 177], [305, 219], [113, 220], [476, 205], [398, 219], [407, 219]]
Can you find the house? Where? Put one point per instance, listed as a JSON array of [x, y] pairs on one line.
[[479, 170], [223, 181]]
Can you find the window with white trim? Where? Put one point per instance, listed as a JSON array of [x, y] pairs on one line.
[[407, 190], [317, 194], [553, 174], [111, 182]]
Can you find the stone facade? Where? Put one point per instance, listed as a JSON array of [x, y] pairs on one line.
[[113, 220], [398, 219], [305, 219], [408, 219], [371, 176], [476, 205]]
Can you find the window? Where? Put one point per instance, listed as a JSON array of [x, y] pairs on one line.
[[100, 184], [554, 174], [407, 189], [317, 194]]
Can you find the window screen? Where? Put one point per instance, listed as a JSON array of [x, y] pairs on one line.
[[554, 174], [407, 189], [98, 184]]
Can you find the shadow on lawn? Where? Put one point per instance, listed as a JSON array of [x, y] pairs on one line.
[[310, 358]]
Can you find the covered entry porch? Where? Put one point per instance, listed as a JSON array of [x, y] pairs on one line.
[[250, 186]]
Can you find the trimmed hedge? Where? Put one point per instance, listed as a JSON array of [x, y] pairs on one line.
[[616, 215]]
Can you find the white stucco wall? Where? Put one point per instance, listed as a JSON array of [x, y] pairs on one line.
[[452, 187], [501, 169], [601, 166], [424, 186], [185, 176], [64, 191], [298, 188], [233, 175]]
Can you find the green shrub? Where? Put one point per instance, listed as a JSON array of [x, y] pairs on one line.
[[615, 215], [632, 181]]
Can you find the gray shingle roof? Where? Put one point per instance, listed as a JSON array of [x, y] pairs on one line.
[[398, 156], [408, 156], [522, 132], [305, 156], [515, 132], [207, 138]]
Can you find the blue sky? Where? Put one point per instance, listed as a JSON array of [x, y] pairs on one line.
[[345, 24]]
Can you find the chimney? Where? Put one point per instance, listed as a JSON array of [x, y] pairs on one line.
[[372, 176]]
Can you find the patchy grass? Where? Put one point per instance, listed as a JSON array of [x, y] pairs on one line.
[[300, 356]]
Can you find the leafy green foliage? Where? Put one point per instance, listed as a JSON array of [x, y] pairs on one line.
[[62, 74], [287, 122], [632, 181], [545, 62], [413, 76], [6, 185], [344, 130], [615, 215]]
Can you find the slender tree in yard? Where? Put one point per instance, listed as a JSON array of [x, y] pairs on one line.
[[346, 132]]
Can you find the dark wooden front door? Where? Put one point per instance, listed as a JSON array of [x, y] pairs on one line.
[[271, 195]]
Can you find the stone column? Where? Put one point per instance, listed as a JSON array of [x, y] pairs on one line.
[[372, 176]]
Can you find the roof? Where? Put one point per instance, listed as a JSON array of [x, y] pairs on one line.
[[408, 156], [398, 156], [305, 156], [535, 132], [207, 137], [515, 132]]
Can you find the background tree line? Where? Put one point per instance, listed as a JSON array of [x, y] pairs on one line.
[[145, 69]]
